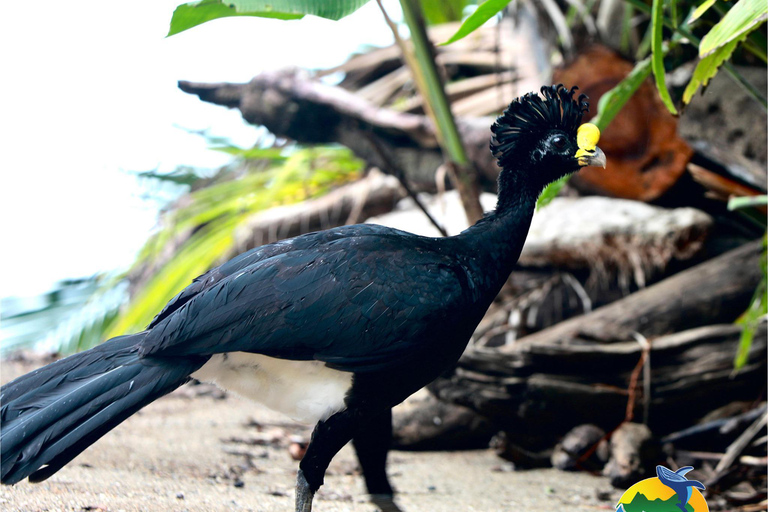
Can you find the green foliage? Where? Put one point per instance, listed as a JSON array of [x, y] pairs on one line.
[[683, 35], [614, 100], [199, 231], [750, 320], [183, 175], [758, 308], [728, 34], [206, 221], [743, 17], [708, 67], [442, 11], [701, 9], [190, 15], [430, 86], [71, 316], [551, 191], [484, 12], [641, 503], [274, 155], [738, 203], [657, 54]]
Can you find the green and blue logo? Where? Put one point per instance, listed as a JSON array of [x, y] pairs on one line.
[[669, 491]]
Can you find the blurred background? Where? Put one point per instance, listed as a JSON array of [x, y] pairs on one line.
[[134, 162]]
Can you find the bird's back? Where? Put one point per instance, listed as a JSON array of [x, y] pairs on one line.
[[359, 298]]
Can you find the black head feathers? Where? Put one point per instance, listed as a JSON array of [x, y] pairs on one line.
[[531, 115]]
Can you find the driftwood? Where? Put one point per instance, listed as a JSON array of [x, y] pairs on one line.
[[634, 455], [718, 290], [349, 204], [715, 434], [630, 240], [435, 425], [581, 448], [579, 371], [290, 104], [482, 72], [730, 461]]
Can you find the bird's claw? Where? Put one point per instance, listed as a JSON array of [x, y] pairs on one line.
[[385, 502]]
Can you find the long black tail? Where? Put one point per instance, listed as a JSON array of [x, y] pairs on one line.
[[49, 416]]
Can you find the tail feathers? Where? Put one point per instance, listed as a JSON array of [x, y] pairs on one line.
[[51, 415]]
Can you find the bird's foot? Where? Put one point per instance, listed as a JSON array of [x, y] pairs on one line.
[[385, 502], [304, 494]]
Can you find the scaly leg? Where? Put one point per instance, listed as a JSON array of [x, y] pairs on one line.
[[328, 438], [303, 494]]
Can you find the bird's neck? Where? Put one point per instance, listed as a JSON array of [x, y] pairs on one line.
[[493, 245]]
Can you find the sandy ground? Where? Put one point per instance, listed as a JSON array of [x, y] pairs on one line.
[[196, 451]]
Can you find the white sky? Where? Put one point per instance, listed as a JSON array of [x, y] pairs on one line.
[[88, 92]]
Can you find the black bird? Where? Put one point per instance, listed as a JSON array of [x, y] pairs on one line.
[[334, 327]]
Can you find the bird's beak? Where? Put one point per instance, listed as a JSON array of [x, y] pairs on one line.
[[589, 153], [594, 157]]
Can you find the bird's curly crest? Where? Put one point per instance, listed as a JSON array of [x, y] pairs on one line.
[[533, 114]]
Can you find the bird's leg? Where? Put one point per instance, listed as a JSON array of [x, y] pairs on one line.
[[328, 438], [372, 442], [304, 494]]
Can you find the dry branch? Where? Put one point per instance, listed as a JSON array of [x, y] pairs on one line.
[[375, 194], [289, 104], [718, 290]]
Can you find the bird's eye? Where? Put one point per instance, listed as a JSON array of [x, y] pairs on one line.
[[559, 142]]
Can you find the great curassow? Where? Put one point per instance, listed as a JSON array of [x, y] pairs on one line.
[[332, 328]]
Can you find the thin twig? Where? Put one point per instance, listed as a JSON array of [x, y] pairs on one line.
[[738, 446], [397, 172], [586, 302], [357, 208], [632, 391], [747, 460], [646, 346]]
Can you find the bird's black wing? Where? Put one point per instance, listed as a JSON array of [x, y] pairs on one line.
[[213, 276], [357, 299], [264, 252]]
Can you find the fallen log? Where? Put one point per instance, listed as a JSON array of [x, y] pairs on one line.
[[578, 371], [716, 291], [537, 403], [373, 195], [629, 240], [289, 104], [635, 452], [434, 425]]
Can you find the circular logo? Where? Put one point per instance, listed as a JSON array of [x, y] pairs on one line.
[[670, 491]]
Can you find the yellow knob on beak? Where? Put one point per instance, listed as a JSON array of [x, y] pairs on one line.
[[589, 154]]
